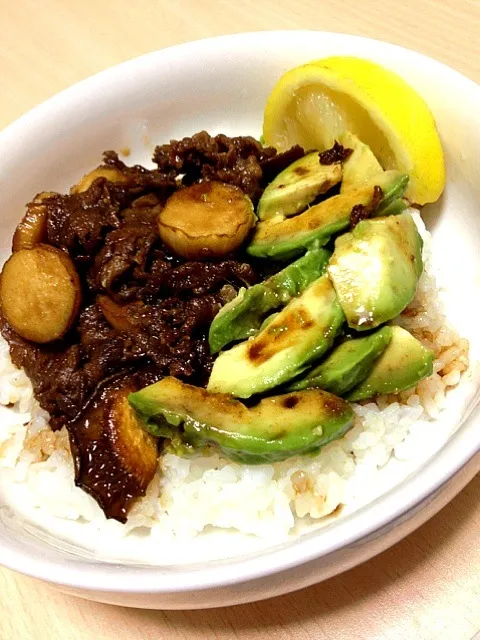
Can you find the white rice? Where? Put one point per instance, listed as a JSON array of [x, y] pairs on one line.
[[190, 496]]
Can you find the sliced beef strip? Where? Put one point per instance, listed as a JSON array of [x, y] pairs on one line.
[[79, 222], [124, 249], [196, 278], [66, 372], [54, 372], [173, 335], [272, 166], [236, 161]]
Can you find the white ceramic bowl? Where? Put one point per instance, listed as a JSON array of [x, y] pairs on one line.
[[222, 85]]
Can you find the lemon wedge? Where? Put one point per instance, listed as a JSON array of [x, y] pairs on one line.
[[313, 104]]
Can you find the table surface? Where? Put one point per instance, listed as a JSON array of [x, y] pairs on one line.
[[428, 585]]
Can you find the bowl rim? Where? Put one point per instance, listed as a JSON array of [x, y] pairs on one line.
[[116, 577]]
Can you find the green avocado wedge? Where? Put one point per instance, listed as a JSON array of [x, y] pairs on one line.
[[361, 166], [276, 428], [243, 316], [286, 239], [346, 365], [375, 269], [296, 336], [297, 186], [395, 208], [402, 365]]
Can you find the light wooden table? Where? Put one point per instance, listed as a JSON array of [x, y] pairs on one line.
[[427, 586]]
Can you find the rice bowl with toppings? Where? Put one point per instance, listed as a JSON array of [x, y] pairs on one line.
[[195, 499]]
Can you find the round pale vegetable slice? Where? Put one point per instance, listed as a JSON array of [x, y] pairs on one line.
[[313, 104], [109, 173], [32, 229], [40, 293], [206, 220]]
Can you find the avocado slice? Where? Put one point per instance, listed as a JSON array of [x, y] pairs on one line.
[[285, 239], [361, 166], [242, 317], [299, 334], [375, 269], [347, 365], [402, 365], [269, 319], [274, 429], [297, 186], [395, 208]]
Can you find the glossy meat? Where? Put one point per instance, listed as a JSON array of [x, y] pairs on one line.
[[115, 458], [145, 312]]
